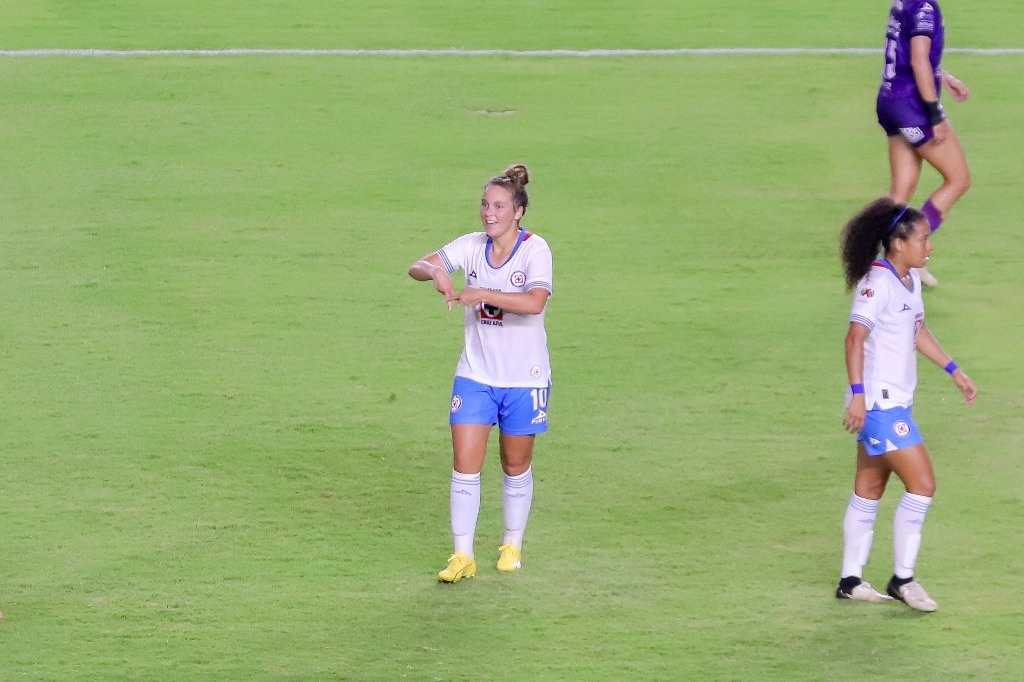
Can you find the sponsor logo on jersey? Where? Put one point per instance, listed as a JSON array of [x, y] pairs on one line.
[[456, 403], [535, 371], [518, 278], [904, 308], [867, 293], [874, 441], [490, 314], [885, 394], [912, 135], [901, 428], [541, 417]]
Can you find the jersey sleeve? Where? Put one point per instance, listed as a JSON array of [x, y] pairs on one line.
[[922, 19], [868, 301], [455, 254], [539, 273]]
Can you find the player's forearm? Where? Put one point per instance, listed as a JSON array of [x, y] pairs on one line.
[[423, 270], [854, 358], [928, 346], [530, 302]]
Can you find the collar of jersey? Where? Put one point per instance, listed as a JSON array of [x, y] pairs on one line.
[[883, 263], [523, 234]]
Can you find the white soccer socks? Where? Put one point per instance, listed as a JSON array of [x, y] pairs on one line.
[[465, 508], [858, 533], [906, 532], [517, 498]]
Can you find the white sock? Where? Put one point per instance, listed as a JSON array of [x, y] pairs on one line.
[[465, 508], [517, 498], [858, 532], [906, 532]]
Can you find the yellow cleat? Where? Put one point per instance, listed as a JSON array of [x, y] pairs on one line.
[[509, 560], [459, 566]]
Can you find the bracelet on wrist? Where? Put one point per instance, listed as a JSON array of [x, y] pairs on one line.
[[856, 388], [951, 367]]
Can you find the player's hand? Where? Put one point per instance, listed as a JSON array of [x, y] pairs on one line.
[[443, 283], [940, 131], [472, 296], [856, 411], [966, 386], [956, 87]]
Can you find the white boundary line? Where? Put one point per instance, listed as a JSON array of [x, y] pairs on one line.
[[453, 52]]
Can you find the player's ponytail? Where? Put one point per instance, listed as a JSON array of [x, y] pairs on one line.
[[870, 233]]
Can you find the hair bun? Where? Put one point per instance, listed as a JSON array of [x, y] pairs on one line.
[[518, 174]]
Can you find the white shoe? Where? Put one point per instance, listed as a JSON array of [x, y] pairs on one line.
[[927, 278], [862, 592], [913, 595]]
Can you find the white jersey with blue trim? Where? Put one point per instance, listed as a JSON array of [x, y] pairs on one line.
[[503, 349], [894, 314]]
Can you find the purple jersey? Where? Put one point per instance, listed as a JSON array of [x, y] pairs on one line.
[[909, 18]]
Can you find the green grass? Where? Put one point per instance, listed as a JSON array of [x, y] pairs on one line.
[[223, 441]]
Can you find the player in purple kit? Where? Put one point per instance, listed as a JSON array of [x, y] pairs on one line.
[[503, 376], [887, 330], [909, 110]]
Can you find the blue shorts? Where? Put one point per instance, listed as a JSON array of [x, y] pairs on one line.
[[904, 116], [888, 430], [516, 411]]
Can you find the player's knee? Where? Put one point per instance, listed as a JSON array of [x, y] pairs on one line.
[[959, 181], [869, 490], [924, 486], [965, 182]]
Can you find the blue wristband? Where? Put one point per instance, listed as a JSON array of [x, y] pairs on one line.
[[856, 388], [951, 367]]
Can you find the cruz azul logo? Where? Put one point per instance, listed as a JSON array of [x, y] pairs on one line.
[[491, 314], [518, 278]]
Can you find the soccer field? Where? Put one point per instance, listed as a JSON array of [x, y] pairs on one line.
[[224, 450]]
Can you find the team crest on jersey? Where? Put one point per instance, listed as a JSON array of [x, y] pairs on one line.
[[901, 428], [456, 403], [867, 293], [518, 278]]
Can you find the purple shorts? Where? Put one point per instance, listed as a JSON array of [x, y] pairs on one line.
[[904, 116]]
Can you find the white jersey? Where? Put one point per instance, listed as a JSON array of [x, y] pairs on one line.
[[895, 314], [503, 349]]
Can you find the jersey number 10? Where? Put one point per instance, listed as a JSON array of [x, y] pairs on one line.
[[540, 398]]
